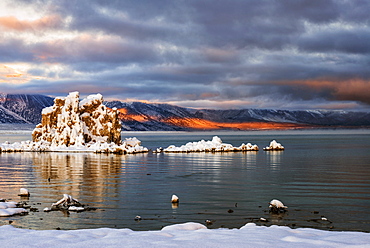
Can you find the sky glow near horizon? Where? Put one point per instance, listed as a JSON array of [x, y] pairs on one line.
[[285, 54]]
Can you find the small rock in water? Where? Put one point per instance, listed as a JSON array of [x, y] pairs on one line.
[[277, 206], [263, 219], [209, 222], [24, 192], [137, 218], [174, 199], [66, 201]]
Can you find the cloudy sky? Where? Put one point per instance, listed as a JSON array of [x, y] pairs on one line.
[[283, 54]]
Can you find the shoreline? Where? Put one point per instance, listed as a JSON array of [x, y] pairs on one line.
[[190, 234]]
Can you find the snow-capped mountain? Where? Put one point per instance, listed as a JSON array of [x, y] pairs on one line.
[[144, 116], [21, 108]]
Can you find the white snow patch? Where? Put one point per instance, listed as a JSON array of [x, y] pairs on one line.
[[277, 204], [214, 145], [184, 235], [274, 146], [10, 208]]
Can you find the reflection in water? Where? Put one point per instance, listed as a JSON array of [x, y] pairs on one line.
[[79, 173], [310, 176], [274, 159], [91, 178], [13, 169], [250, 159]]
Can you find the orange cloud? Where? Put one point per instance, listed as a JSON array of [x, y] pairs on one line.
[[13, 23], [354, 89], [13, 75], [208, 95], [10, 75]]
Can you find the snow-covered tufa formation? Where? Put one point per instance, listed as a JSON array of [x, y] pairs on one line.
[[274, 146], [214, 145], [74, 125], [71, 122]]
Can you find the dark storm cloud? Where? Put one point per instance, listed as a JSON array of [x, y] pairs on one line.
[[341, 41], [180, 51]]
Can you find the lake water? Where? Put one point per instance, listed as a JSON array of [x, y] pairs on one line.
[[320, 173]]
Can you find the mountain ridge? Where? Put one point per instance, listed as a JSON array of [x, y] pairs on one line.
[[139, 116]]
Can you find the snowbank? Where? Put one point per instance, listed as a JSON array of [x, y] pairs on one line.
[[214, 145], [184, 235]]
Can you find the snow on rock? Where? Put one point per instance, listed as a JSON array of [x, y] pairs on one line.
[[71, 122], [277, 206], [174, 199], [74, 125], [274, 146], [10, 208], [24, 192], [214, 145], [132, 142], [66, 201]]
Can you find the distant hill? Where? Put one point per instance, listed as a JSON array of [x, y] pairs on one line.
[[138, 116], [22, 108], [144, 116]]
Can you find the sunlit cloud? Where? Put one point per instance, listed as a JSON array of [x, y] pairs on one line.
[[10, 75], [200, 54], [12, 23]]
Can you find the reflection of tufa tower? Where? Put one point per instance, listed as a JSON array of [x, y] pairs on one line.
[[71, 122]]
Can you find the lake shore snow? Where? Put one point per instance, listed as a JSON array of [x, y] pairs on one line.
[[183, 235]]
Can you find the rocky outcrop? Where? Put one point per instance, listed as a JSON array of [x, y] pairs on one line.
[[71, 122]]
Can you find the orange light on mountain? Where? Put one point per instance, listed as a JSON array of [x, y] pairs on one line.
[[123, 111], [196, 123], [202, 124]]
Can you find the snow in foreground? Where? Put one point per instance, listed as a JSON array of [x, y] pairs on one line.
[[183, 235]]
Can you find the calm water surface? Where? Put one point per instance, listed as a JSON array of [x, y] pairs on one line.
[[320, 173]]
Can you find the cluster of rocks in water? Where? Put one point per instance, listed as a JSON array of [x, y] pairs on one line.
[[277, 210], [67, 203]]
